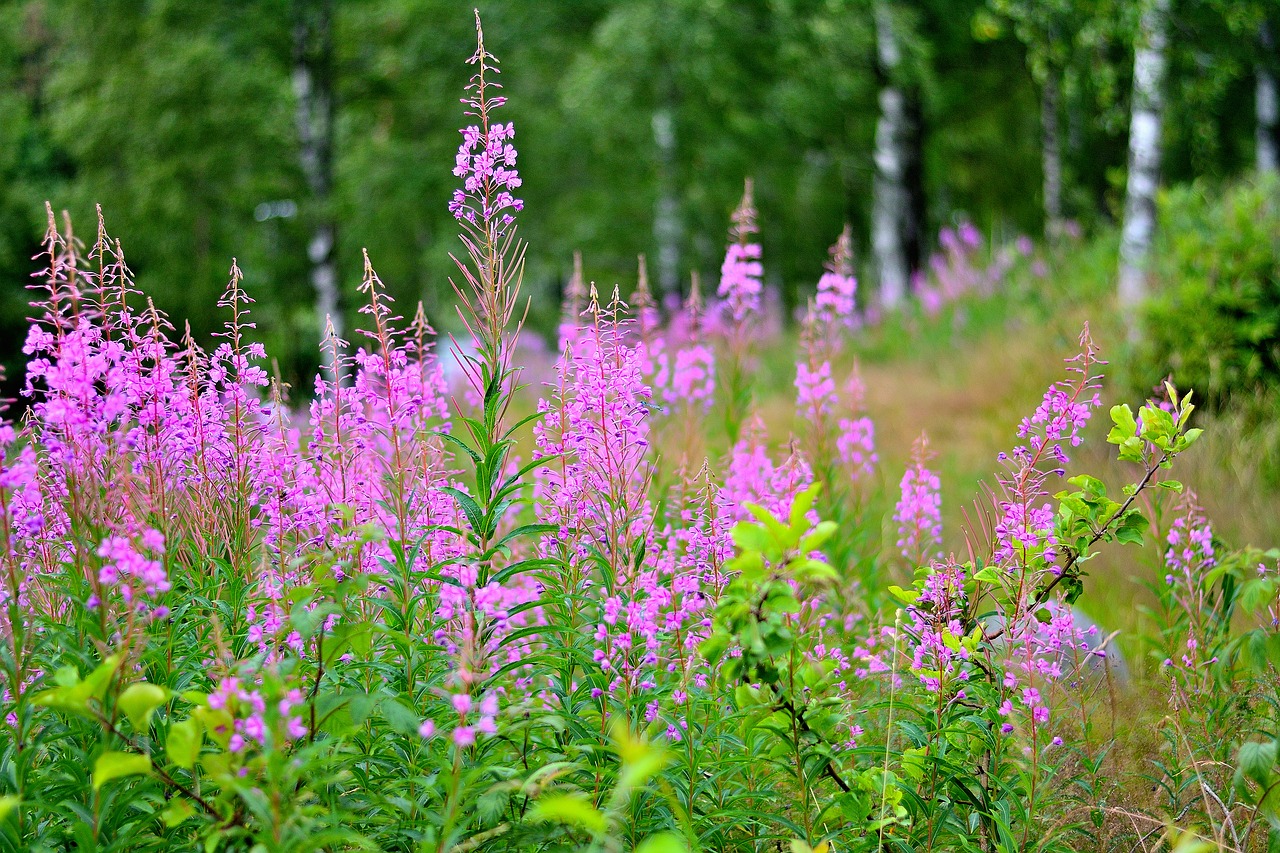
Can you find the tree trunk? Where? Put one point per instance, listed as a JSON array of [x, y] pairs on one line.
[[313, 86], [1051, 153], [1268, 159], [1144, 159], [667, 230], [890, 199]]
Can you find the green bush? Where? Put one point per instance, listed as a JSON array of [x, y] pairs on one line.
[[1214, 324]]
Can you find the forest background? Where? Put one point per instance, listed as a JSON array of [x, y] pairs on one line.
[[293, 134]]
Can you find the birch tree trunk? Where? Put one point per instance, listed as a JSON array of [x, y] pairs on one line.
[[1051, 156], [889, 192], [313, 87], [1144, 158], [1268, 159], [667, 230]]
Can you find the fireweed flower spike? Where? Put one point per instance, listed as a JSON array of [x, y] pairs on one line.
[[1188, 595], [651, 339], [741, 272], [571, 312], [856, 440], [919, 509], [693, 379], [741, 285], [486, 159], [1025, 531], [816, 397], [837, 286]]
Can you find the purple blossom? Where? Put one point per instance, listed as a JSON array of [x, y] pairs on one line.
[[486, 159], [741, 273], [919, 510]]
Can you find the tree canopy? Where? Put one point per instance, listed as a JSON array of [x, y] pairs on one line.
[[638, 122]]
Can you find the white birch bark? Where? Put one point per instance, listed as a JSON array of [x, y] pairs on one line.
[[313, 87], [1144, 158], [889, 193], [1268, 112], [666, 215]]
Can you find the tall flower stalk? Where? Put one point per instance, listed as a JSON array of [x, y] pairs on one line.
[[740, 289]]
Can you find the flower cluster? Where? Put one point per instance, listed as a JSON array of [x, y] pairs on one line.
[[486, 159], [741, 273], [125, 568], [935, 628], [959, 269], [1189, 558], [919, 509], [856, 441], [815, 390], [474, 718], [1025, 529], [837, 286], [250, 721]]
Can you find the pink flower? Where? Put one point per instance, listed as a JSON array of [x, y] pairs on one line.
[[741, 273], [486, 159], [919, 510]]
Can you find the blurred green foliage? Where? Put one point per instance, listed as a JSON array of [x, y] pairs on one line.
[[178, 117], [1215, 324]]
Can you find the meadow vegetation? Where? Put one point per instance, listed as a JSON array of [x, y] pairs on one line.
[[944, 579]]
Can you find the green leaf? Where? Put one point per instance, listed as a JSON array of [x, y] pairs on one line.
[[184, 742], [307, 620], [641, 766], [749, 537], [1125, 426], [1256, 761], [1190, 843], [475, 516], [527, 530], [115, 765], [454, 440], [139, 702], [216, 722], [95, 683], [815, 571], [7, 804], [62, 699], [986, 574], [800, 506], [178, 811], [798, 846], [72, 695], [664, 842], [780, 533], [714, 647], [400, 717], [1091, 486], [817, 537], [1129, 536], [572, 809], [750, 564], [355, 636]]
